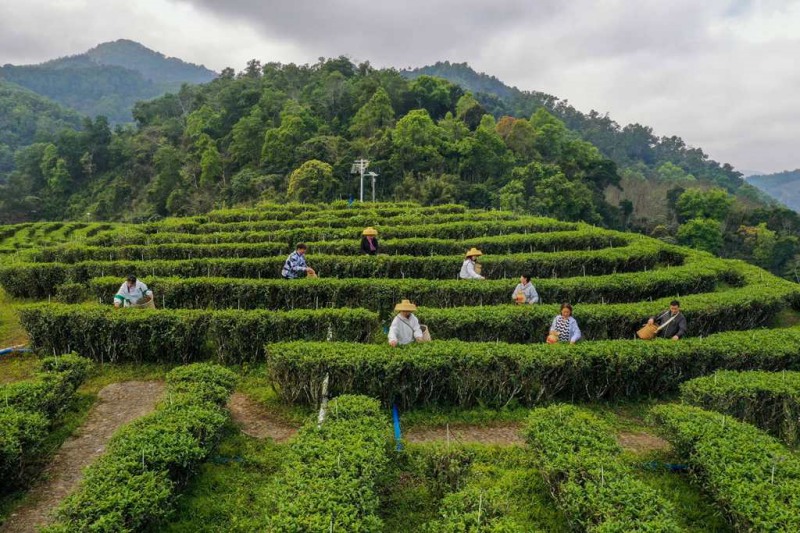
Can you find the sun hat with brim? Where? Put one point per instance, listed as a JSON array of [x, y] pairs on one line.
[[473, 252], [405, 305], [369, 232]]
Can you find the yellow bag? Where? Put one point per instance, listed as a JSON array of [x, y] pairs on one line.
[[478, 268], [426, 333], [648, 332]]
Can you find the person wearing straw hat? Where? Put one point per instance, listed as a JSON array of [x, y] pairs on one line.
[[468, 270], [369, 241], [132, 292], [405, 327]]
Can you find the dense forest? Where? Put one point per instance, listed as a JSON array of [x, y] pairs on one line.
[[286, 132]]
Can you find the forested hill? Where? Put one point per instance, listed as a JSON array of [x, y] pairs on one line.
[[286, 132], [783, 186], [108, 79], [625, 145]]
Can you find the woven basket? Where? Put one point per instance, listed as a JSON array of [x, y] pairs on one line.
[[648, 332]]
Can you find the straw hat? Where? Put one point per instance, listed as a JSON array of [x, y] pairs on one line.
[[369, 232], [405, 305], [473, 252]]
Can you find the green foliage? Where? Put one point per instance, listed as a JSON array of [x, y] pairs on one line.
[[312, 182], [751, 475], [580, 461], [133, 486], [768, 400], [381, 294], [712, 204], [332, 477], [701, 233], [496, 373], [29, 408], [142, 335]]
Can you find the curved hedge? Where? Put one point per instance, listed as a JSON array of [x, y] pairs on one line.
[[580, 461], [330, 481], [292, 210], [28, 408], [743, 308], [752, 476], [510, 244], [133, 486], [381, 294], [39, 280], [769, 400], [495, 373], [164, 335]]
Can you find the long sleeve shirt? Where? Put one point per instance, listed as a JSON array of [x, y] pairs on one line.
[[295, 266], [678, 326], [403, 330], [132, 295], [468, 270], [574, 331], [366, 248], [529, 291]]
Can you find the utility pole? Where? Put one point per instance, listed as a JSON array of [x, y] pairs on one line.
[[359, 166], [373, 175]]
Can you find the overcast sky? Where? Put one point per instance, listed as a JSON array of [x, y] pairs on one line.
[[722, 74]]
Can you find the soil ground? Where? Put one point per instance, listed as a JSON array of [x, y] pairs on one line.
[[256, 421]]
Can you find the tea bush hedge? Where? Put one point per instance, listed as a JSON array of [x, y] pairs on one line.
[[471, 373], [133, 486], [28, 408], [751, 475], [164, 335], [332, 478], [768, 400], [580, 461]]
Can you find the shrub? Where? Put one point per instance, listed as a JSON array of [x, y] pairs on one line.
[[133, 486], [580, 461], [332, 476], [769, 400], [28, 409], [142, 335], [470, 373], [752, 476]]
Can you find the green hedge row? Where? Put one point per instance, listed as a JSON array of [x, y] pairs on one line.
[[381, 294], [331, 480], [292, 210], [27, 409], [38, 280], [743, 308], [580, 461], [454, 230], [165, 335], [769, 400], [502, 245], [751, 475], [133, 486], [495, 373]]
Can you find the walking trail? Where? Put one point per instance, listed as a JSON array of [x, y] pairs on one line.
[[258, 422], [118, 404]]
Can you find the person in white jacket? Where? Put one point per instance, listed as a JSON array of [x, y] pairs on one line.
[[132, 292], [468, 266], [405, 327]]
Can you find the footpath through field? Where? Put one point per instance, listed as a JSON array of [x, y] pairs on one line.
[[119, 403]]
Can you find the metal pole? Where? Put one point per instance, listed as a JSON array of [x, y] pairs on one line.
[[373, 189], [361, 165]]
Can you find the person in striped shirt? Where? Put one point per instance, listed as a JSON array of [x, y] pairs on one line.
[[295, 265]]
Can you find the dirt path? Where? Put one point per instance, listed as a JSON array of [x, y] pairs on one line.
[[501, 434], [258, 422], [510, 435], [118, 404]]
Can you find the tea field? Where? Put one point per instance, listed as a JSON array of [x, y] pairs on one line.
[[202, 414]]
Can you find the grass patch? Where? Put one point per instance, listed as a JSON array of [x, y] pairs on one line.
[[254, 384], [231, 491], [11, 332], [17, 367]]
